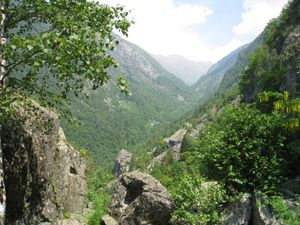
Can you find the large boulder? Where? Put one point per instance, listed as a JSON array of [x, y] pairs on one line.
[[139, 199], [44, 175], [122, 163]]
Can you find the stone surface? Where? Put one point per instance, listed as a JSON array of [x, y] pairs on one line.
[[239, 212], [44, 175], [158, 158], [175, 141], [262, 215], [175, 138], [291, 188], [140, 199], [237, 101], [122, 163], [292, 50], [108, 220]]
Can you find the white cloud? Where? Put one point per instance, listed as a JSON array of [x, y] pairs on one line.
[[161, 28], [257, 15]]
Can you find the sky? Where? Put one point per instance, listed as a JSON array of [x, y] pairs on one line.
[[200, 30]]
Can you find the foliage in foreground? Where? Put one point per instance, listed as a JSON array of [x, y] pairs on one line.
[[99, 193], [101, 204], [56, 47], [281, 210], [198, 201], [245, 149]]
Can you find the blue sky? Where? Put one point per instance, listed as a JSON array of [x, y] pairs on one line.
[[200, 30], [221, 21]]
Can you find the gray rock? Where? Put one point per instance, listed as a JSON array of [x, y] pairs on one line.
[[44, 175], [239, 212], [122, 163], [292, 52], [140, 199], [291, 188], [214, 112], [175, 141], [237, 101], [261, 212], [158, 158], [195, 133], [292, 38], [175, 138], [108, 220]]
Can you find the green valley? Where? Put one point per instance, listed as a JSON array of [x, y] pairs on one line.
[[148, 148]]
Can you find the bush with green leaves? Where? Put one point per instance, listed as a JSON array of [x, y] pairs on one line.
[[245, 149], [101, 204], [280, 209], [198, 201]]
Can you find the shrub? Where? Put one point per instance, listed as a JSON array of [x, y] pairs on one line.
[[245, 148], [281, 210], [198, 201]]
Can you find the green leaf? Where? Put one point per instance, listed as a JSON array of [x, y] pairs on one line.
[[29, 47]]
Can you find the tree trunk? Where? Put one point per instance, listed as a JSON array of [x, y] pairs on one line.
[[2, 79]]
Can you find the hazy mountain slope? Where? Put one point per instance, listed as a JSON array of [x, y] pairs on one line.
[[113, 121], [187, 70], [210, 82], [233, 74]]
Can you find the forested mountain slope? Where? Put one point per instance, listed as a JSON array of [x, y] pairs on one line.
[[210, 81], [112, 121], [233, 74]]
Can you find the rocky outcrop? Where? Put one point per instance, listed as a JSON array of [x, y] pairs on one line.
[[239, 212], [261, 212], [44, 175], [291, 48], [175, 141], [122, 163], [175, 138], [139, 199], [158, 158]]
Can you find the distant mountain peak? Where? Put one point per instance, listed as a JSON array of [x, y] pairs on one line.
[[187, 70]]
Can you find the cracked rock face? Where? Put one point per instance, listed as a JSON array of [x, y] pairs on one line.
[[44, 175], [122, 163], [175, 141], [140, 199], [239, 212]]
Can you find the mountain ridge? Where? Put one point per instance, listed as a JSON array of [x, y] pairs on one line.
[[187, 70]]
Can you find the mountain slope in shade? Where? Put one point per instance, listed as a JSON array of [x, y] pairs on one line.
[[112, 121], [210, 82], [187, 70]]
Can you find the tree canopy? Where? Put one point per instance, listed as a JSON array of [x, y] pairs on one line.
[[56, 47]]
